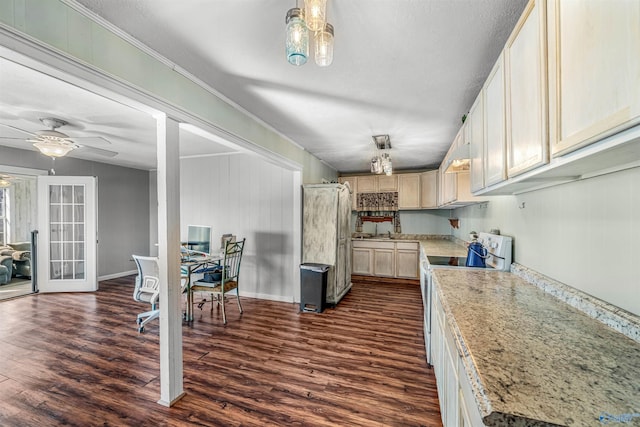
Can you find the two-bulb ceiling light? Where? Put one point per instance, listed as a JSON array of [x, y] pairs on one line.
[[382, 162], [302, 20]]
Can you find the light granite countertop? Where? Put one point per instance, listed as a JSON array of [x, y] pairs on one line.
[[442, 247], [535, 360]]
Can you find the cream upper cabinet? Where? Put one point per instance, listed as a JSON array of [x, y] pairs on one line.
[[409, 191], [594, 70], [448, 183], [494, 125], [387, 183], [526, 72], [367, 184], [352, 184], [474, 135], [429, 189]]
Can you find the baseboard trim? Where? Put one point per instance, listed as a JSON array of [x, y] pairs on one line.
[[117, 275], [278, 298], [373, 279]]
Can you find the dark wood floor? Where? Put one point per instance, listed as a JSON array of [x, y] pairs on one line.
[[77, 359]]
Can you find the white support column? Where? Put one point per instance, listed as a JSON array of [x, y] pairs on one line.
[[171, 386]]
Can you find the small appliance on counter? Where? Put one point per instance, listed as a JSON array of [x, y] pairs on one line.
[[476, 252]]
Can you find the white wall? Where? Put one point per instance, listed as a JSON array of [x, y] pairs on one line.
[[585, 234], [248, 197]]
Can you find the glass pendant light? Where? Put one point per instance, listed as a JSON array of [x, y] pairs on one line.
[[297, 43], [376, 167], [387, 167], [315, 12], [54, 148], [324, 46]]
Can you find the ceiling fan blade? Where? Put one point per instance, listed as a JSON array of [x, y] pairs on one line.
[[19, 130], [97, 151], [92, 139], [4, 138]]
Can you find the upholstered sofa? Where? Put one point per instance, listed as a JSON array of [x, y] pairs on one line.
[[20, 254], [6, 269]]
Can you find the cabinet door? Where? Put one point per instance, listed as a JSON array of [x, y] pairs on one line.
[[429, 189], [407, 264], [463, 188], [594, 70], [362, 261], [448, 183], [387, 183], [409, 191], [494, 125], [525, 57], [475, 137], [384, 262], [352, 184], [367, 184]]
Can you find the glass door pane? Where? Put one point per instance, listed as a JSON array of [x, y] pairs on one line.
[[67, 232]]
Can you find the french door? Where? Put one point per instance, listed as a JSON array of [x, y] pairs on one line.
[[67, 247]]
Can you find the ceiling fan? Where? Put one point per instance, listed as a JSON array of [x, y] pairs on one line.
[[54, 143], [5, 180]]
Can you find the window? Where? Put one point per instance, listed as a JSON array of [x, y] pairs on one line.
[[3, 216]]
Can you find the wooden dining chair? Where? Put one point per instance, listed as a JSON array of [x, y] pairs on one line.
[[219, 283]]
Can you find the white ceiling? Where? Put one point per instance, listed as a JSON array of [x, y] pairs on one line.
[[407, 68]]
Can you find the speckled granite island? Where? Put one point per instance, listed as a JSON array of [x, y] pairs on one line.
[[533, 360]]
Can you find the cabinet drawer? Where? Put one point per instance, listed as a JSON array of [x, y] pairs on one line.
[[372, 244], [408, 246]]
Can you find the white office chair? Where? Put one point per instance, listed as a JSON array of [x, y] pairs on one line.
[[147, 288]]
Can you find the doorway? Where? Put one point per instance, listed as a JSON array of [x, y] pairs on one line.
[[18, 218]]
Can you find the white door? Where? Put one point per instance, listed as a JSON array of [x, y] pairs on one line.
[[67, 238]]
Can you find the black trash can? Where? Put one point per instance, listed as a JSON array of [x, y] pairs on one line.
[[313, 284]]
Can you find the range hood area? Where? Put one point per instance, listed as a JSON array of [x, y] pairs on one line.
[[459, 160]]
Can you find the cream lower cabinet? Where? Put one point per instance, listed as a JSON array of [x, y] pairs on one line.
[[362, 261], [458, 407], [385, 258], [594, 70], [407, 260]]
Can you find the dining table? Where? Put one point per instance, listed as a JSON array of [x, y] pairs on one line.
[[191, 265]]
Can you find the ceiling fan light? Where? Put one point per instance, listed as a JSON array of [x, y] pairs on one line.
[[297, 41], [324, 46], [54, 148], [316, 14]]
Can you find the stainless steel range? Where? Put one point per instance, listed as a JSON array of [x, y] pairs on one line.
[[499, 252]]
